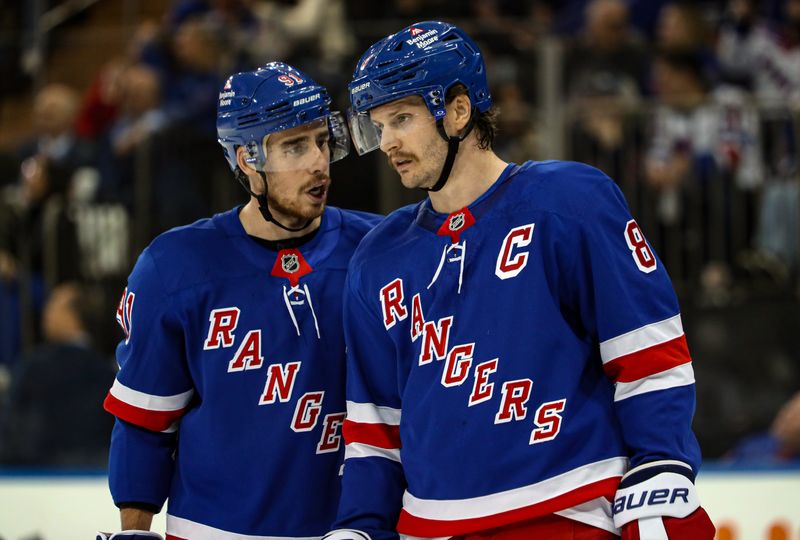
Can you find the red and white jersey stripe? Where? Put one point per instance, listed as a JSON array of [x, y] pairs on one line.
[[570, 490], [653, 357], [156, 413], [372, 431]]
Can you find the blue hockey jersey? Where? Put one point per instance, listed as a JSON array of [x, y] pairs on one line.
[[230, 394], [509, 360]]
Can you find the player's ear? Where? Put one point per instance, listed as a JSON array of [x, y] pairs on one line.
[[245, 160], [458, 112]]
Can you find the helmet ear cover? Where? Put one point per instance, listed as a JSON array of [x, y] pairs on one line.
[[252, 153]]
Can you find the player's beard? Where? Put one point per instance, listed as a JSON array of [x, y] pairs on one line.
[[426, 169], [294, 208]]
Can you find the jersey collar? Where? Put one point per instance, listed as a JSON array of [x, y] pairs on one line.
[[315, 251], [434, 221]]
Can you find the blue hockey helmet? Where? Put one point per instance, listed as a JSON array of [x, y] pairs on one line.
[[425, 59], [273, 98]]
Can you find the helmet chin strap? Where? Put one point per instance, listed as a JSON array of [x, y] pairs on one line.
[[452, 149], [263, 205]]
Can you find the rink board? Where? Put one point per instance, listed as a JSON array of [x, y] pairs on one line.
[[748, 504]]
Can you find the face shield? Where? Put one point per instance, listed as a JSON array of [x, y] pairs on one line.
[[307, 147], [366, 135], [407, 121]]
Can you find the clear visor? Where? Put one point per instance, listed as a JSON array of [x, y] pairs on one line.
[[309, 146], [406, 121], [366, 135]]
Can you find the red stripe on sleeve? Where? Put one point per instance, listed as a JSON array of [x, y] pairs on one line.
[[152, 420], [641, 364], [378, 435]]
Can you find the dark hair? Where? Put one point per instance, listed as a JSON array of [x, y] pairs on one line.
[[82, 302], [485, 122]]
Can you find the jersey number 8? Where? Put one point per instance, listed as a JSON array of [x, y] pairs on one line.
[[641, 252]]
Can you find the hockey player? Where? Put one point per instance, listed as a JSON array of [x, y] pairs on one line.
[[517, 367], [230, 395]]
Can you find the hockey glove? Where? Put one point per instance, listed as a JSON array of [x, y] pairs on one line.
[[129, 535], [658, 501]]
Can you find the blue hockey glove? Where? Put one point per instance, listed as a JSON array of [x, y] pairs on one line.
[[658, 501]]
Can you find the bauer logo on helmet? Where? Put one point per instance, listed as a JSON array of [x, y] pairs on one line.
[[307, 99]]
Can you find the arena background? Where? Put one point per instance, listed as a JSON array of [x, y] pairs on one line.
[[107, 138]]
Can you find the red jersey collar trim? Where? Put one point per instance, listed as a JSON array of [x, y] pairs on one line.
[[291, 264], [456, 223]]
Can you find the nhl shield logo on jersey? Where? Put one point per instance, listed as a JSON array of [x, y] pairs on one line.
[[290, 263], [456, 221]]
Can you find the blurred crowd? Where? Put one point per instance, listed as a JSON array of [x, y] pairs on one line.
[[692, 107]]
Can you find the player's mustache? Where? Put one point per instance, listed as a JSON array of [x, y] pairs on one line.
[[320, 177], [391, 158]]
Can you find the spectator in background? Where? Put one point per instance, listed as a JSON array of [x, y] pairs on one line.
[[38, 250], [736, 35], [774, 51], [601, 132], [765, 54], [39, 242], [498, 26], [786, 428], [776, 71], [55, 109], [183, 186], [682, 29], [307, 29], [681, 133], [194, 76], [54, 415], [100, 105], [777, 445], [700, 139], [187, 55], [139, 116], [568, 15], [607, 49], [508, 34], [604, 76], [45, 232], [165, 140], [233, 21]]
